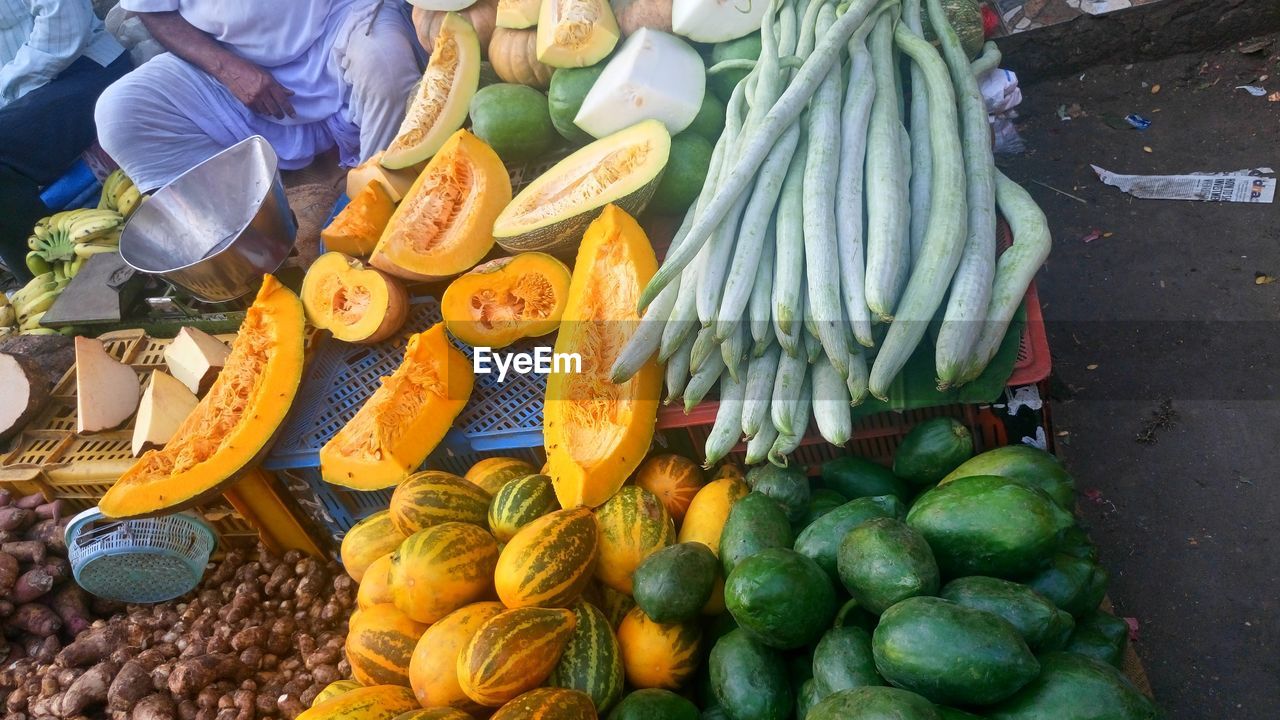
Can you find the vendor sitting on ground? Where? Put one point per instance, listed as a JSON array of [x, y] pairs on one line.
[[307, 75], [55, 58]]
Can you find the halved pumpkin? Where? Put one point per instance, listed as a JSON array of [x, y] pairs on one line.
[[576, 33], [552, 212], [403, 421], [234, 422], [518, 14], [395, 182], [507, 299], [357, 227], [355, 303], [444, 225], [439, 105], [597, 433]]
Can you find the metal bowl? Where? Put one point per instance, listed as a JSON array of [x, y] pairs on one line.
[[216, 229]]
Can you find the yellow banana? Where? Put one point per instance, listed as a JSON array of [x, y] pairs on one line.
[[89, 250], [90, 227], [111, 189], [130, 199], [7, 331], [39, 331], [4, 300], [32, 322], [42, 283], [37, 305]]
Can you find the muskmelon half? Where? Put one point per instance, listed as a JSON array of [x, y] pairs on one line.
[[576, 33], [553, 211], [440, 101]]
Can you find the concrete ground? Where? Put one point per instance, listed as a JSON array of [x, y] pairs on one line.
[[1166, 351]]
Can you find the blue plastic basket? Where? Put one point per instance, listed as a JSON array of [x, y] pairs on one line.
[[138, 561], [499, 419]]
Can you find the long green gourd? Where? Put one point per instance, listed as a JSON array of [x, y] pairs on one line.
[[921, 153], [944, 236], [971, 286]]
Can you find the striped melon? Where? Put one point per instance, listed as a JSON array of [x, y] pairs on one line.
[[434, 714], [591, 661], [334, 689], [615, 605], [674, 479], [704, 522], [375, 588], [433, 497], [433, 670], [368, 540], [379, 702], [548, 704], [440, 569], [549, 561], [656, 655], [633, 525], [520, 502], [490, 474], [380, 642], [512, 653]]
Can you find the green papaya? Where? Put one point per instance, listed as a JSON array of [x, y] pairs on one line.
[[673, 584], [1041, 623], [1075, 687], [856, 477], [1101, 636], [1073, 584], [821, 540], [789, 486], [780, 597], [1028, 465], [874, 703], [932, 449], [843, 661], [883, 561], [750, 679], [755, 523]]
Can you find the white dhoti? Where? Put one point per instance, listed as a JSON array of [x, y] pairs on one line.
[[350, 88]]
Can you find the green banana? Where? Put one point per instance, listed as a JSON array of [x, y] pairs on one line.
[[37, 264], [39, 331], [73, 268]]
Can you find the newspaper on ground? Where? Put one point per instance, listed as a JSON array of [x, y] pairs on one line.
[[1241, 186]]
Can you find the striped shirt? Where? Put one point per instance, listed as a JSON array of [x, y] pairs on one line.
[[41, 38]]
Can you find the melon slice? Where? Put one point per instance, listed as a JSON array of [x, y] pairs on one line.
[[439, 106], [395, 182], [195, 358], [26, 391], [655, 76], [715, 21], [356, 229], [553, 211], [442, 5], [165, 404], [518, 14], [576, 33], [106, 389]]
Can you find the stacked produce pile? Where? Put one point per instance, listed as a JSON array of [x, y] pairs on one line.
[[949, 585], [60, 244], [261, 637]]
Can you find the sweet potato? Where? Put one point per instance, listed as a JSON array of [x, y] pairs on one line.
[[31, 585], [6, 609], [8, 572], [59, 568], [88, 690], [35, 619], [192, 674], [28, 551], [90, 646], [6, 498], [50, 532], [130, 685], [54, 510], [154, 707], [47, 650], [15, 518], [69, 602], [30, 502]]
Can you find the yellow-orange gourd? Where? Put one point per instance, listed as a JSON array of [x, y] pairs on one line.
[[504, 300], [356, 303]]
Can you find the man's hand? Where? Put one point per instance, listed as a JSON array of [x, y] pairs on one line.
[[256, 88], [251, 85]]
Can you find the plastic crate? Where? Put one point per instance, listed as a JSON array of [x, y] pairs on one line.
[[79, 469], [499, 419]]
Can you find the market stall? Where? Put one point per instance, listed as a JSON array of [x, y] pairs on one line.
[[661, 367]]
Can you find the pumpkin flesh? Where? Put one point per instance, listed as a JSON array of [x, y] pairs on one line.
[[404, 420], [597, 433], [357, 227], [234, 422], [505, 300], [355, 303], [439, 106], [444, 225]]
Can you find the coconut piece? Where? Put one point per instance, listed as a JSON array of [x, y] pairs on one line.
[[195, 358], [107, 390], [26, 391], [165, 404]]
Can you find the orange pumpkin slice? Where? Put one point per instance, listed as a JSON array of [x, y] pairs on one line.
[[507, 299], [355, 303]]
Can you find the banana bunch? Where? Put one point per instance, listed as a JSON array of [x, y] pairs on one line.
[[61, 242], [119, 194], [22, 312]]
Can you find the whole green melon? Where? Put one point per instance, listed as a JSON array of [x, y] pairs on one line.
[[513, 120], [569, 87]]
